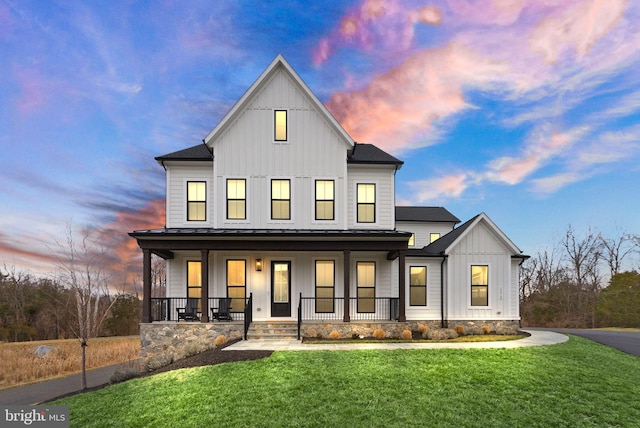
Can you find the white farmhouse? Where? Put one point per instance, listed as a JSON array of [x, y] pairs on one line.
[[280, 211]]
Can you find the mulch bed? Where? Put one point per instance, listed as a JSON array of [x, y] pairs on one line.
[[212, 357]]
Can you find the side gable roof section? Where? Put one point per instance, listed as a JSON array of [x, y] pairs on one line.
[[277, 63], [370, 154], [425, 214], [195, 153], [445, 244]]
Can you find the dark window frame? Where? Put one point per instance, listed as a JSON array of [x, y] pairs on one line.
[[192, 287], [275, 125], [197, 202], [234, 308], [229, 200], [412, 286], [333, 200], [273, 200], [479, 286], [363, 288], [333, 287], [364, 204]]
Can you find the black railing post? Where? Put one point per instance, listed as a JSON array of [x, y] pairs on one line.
[[299, 315], [248, 315]]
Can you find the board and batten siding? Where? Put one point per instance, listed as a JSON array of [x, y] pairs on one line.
[[178, 174], [313, 150], [480, 247], [385, 196], [422, 230]]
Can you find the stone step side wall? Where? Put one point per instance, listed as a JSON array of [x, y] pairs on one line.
[[165, 342]]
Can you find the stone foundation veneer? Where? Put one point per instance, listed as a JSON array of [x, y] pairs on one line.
[[165, 342], [505, 327]]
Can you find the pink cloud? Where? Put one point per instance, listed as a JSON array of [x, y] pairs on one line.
[[35, 90], [403, 104], [542, 148], [437, 188], [577, 28], [497, 12], [386, 26]]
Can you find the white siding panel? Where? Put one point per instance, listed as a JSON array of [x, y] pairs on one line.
[[177, 177], [385, 196], [422, 230], [481, 247], [432, 310]]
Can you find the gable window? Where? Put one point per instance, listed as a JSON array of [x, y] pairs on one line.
[[280, 199], [479, 285], [366, 203], [433, 237], [412, 240], [236, 199], [194, 281], [418, 286], [325, 201], [196, 201], [236, 284], [280, 125], [325, 285], [366, 281]]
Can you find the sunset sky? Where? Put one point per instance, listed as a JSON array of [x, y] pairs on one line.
[[526, 110]]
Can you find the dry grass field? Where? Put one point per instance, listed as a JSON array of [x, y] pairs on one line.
[[20, 365]]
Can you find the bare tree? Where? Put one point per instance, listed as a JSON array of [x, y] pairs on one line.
[[81, 270], [614, 250]]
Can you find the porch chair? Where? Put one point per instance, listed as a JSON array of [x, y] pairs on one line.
[[190, 311], [223, 312]]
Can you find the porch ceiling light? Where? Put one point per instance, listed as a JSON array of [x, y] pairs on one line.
[[259, 265]]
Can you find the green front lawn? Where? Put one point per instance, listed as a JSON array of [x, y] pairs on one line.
[[575, 384]]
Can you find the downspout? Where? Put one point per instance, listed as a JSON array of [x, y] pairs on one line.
[[519, 277], [442, 320]]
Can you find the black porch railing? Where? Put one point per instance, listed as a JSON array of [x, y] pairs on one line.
[[360, 309], [166, 308]]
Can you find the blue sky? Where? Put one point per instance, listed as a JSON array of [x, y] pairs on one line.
[[526, 110]]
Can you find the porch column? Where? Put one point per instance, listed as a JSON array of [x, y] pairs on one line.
[[204, 282], [146, 286], [402, 287], [346, 272]]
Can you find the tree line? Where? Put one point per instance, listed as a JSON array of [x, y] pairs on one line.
[[580, 282]]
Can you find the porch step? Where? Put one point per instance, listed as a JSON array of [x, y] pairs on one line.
[[277, 330]]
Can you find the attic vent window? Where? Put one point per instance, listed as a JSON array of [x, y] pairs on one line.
[[280, 125]]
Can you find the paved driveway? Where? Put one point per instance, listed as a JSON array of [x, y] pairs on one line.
[[625, 341]]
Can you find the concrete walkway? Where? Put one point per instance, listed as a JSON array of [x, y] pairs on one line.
[[537, 338], [50, 389]]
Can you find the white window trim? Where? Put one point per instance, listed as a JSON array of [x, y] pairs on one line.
[[489, 288], [376, 213], [247, 200], [291, 201], [208, 206], [273, 125], [335, 201]]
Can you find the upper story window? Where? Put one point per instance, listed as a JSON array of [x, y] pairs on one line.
[[366, 203], [433, 237], [479, 285], [280, 125], [412, 240], [280, 199], [196, 201], [236, 199], [325, 201]]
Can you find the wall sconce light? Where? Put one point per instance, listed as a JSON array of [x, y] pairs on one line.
[[259, 265]]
